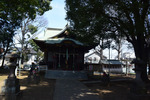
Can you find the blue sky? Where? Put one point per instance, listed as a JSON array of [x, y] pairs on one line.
[[56, 16]]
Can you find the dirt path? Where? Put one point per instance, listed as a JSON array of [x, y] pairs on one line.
[[116, 90], [42, 91]]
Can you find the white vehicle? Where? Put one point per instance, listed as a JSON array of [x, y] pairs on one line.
[[26, 67]]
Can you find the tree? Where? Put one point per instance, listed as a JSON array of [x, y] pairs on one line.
[[85, 27], [37, 49], [5, 40], [12, 13], [128, 17], [119, 41], [23, 37], [28, 30]]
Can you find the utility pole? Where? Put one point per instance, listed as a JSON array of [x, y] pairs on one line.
[[109, 58]]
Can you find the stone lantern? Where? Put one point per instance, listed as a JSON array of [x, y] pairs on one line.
[[11, 86]]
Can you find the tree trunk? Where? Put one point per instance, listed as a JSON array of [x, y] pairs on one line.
[[101, 49], [4, 55], [141, 72], [141, 61], [101, 54], [148, 69], [119, 49], [3, 61], [119, 54]]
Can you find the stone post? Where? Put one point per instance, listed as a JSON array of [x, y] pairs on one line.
[[11, 87]]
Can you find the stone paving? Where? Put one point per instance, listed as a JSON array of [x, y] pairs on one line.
[[73, 90], [62, 74]]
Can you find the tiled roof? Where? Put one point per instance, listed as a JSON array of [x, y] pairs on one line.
[[60, 40]]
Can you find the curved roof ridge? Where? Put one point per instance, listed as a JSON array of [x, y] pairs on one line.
[[63, 30], [53, 32], [60, 40]]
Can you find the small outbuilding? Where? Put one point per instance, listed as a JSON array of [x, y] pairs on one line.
[[112, 66]]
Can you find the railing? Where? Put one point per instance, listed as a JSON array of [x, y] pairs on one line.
[[42, 68]]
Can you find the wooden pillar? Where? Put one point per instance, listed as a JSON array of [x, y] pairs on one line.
[[46, 56], [73, 58], [59, 59], [66, 58]]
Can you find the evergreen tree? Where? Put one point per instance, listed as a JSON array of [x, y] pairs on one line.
[[12, 13], [129, 17]]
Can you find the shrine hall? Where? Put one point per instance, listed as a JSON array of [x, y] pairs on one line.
[[61, 51]]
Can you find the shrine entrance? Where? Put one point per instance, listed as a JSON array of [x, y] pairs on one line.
[[66, 62], [61, 50]]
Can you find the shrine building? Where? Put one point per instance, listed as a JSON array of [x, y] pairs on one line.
[[61, 51]]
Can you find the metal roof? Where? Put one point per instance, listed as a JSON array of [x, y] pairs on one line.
[[115, 62]]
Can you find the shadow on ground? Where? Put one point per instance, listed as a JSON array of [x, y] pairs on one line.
[[118, 90], [33, 91]]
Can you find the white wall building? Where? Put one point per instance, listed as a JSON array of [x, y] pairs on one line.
[[93, 57]]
